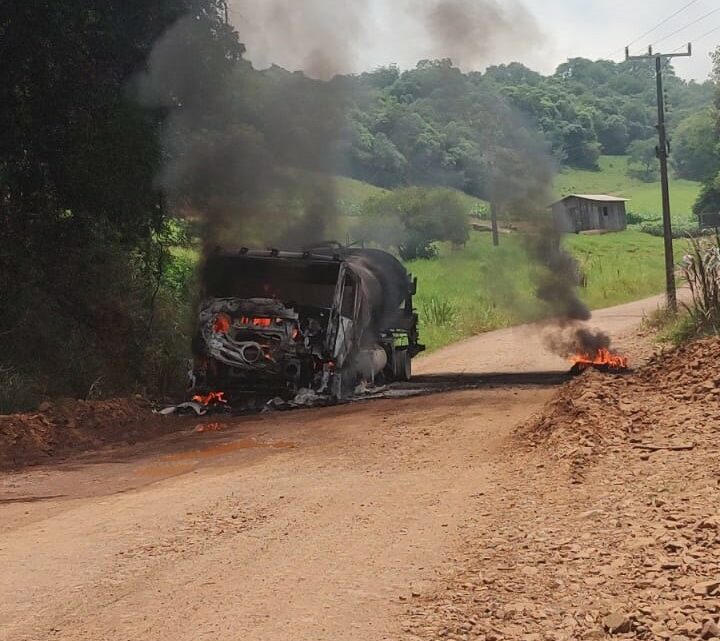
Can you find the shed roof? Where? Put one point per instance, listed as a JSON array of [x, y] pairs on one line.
[[603, 198]]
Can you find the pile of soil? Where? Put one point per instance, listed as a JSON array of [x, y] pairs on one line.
[[599, 410], [623, 548], [66, 425]]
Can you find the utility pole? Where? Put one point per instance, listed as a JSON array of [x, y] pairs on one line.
[[663, 151], [493, 193], [494, 223]]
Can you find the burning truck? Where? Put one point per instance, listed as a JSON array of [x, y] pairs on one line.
[[276, 322]]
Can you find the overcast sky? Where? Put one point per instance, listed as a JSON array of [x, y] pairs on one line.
[[331, 36]]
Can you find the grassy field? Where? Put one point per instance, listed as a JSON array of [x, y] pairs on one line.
[[644, 197], [480, 288]]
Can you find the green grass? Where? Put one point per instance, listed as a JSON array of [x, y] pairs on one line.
[[485, 288], [644, 198], [621, 267], [480, 288], [351, 194]]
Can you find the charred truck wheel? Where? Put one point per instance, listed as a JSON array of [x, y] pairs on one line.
[[402, 365], [324, 320]]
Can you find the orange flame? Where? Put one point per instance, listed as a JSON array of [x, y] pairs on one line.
[[604, 359], [256, 321], [222, 323], [213, 398]]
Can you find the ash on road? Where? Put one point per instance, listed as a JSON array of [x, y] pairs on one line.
[[320, 524]]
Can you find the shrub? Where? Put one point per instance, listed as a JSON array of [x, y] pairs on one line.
[[701, 271], [413, 220]]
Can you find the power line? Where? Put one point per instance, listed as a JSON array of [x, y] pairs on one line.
[[657, 26], [694, 22], [699, 38], [660, 24]]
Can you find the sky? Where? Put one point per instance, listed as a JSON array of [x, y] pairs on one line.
[[324, 37]]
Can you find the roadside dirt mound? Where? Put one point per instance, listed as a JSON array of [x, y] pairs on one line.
[[69, 424], [599, 410], [628, 548]]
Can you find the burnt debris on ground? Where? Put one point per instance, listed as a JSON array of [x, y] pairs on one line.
[[61, 428]]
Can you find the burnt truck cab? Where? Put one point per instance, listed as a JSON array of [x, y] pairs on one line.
[[278, 322]]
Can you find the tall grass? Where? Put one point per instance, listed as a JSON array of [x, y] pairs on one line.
[[701, 271], [438, 311]]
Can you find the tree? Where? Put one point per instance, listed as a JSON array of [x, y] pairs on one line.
[[695, 148], [642, 162], [414, 219], [84, 225], [613, 135]]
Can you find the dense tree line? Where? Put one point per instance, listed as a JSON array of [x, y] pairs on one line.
[[705, 134], [84, 261], [436, 124]]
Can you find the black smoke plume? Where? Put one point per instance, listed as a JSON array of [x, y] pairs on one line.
[[521, 176], [318, 37], [249, 155]]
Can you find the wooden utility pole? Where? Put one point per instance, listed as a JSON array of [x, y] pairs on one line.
[[494, 223], [663, 151]]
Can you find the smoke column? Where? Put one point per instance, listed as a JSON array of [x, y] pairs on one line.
[[250, 155], [473, 32], [318, 37]]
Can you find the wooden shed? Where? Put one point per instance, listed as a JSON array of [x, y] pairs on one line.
[[584, 212]]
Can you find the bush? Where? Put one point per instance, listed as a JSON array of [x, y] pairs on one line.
[[413, 220], [679, 231], [634, 219]]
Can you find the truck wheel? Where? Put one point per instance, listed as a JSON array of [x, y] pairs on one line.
[[403, 365]]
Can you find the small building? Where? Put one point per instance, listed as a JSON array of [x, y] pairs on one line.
[[585, 212]]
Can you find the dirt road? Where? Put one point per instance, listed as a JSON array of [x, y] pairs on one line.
[[318, 524]]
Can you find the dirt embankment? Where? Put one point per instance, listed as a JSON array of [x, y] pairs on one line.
[[677, 390], [69, 425], [607, 525]]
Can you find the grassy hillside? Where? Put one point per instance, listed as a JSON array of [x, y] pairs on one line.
[[481, 288], [351, 194], [644, 198], [611, 179]]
